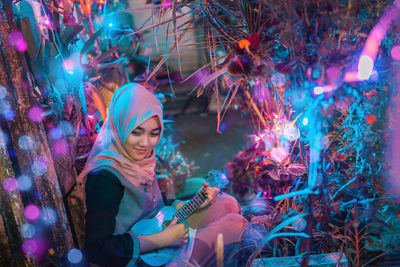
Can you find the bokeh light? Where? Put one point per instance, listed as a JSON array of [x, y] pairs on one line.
[[10, 184], [365, 67], [74, 255], [32, 212], [30, 247], [35, 114], [333, 73], [55, 133], [24, 183], [60, 147], [318, 90], [305, 121], [278, 79], [48, 216], [395, 52], [16, 39], [6, 110], [26, 142], [299, 225], [3, 92], [66, 128], [28, 230], [39, 166]]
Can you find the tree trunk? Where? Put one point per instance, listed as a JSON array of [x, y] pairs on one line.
[[20, 96]]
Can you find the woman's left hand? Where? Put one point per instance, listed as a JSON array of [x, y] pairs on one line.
[[211, 193]]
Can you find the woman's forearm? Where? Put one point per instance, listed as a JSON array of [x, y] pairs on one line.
[[152, 242]]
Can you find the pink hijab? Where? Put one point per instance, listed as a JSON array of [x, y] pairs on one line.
[[131, 105]]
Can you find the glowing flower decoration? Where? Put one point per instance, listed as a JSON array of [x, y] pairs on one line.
[[32, 212], [279, 154], [10, 184], [17, 40], [370, 118], [278, 79], [74, 255], [35, 114]]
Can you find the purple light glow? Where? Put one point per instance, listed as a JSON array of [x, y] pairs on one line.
[[10, 184], [167, 4], [16, 39], [30, 247], [35, 114], [39, 166], [32, 212], [60, 147], [395, 52], [3, 92]]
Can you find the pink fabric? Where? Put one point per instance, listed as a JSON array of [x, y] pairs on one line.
[[131, 105]]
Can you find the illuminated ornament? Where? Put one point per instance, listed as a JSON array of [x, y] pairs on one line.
[[3, 92], [28, 230], [35, 114], [16, 39], [32, 212], [24, 183], [10, 184], [365, 67], [318, 90], [48, 216], [371, 119], [74, 255]]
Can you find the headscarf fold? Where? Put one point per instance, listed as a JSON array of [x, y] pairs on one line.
[[131, 105]]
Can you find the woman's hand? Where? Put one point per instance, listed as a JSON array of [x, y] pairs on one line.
[[211, 193], [176, 235]]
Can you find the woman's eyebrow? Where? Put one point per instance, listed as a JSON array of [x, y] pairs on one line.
[[139, 128], [156, 129]]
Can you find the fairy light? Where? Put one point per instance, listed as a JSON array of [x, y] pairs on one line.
[[10, 184], [35, 114], [32, 212], [48, 216], [24, 183], [305, 121], [318, 90], [28, 230]]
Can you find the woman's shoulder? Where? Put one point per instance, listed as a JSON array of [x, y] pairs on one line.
[[102, 175]]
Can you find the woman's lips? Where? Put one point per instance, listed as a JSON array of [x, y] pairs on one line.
[[141, 151]]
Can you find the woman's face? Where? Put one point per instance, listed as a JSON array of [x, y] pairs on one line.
[[143, 139]]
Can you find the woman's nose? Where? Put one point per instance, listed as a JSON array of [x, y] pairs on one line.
[[145, 140]]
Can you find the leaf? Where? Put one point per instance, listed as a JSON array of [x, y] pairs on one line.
[[297, 169], [69, 33]]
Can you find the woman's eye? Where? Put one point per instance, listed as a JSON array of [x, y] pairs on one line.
[[135, 133], [155, 134]]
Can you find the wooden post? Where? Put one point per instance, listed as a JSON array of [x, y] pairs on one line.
[[20, 96]]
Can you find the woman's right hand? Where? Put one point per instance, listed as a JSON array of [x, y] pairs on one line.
[[175, 234]]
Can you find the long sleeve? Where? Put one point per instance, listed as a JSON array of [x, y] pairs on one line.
[[103, 196]]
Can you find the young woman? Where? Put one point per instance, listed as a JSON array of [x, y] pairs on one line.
[[121, 189]]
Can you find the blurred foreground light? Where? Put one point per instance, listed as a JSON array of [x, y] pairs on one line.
[[74, 255], [24, 183], [28, 230], [30, 247], [305, 121], [318, 90], [48, 216], [16, 39], [35, 114], [365, 67], [3, 92], [395, 52], [10, 184], [32, 212], [26, 142], [39, 166]]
